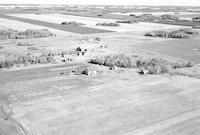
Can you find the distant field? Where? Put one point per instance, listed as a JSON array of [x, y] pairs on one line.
[[186, 49], [159, 13], [22, 26], [74, 29], [179, 23], [91, 22]]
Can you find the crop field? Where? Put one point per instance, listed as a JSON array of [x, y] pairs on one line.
[[91, 22], [74, 29], [180, 48], [45, 102], [181, 15], [22, 26], [185, 49]]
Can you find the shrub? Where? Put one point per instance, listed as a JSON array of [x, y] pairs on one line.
[[178, 34], [169, 17], [11, 60], [97, 39], [133, 15], [115, 60], [29, 33], [72, 23], [127, 21], [181, 33], [24, 44], [154, 65], [145, 16], [189, 31], [162, 34], [108, 24]]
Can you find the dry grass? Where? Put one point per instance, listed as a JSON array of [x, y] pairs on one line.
[[154, 65]]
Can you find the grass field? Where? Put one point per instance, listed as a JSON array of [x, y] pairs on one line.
[[22, 26], [74, 29], [179, 48], [45, 102], [184, 49]]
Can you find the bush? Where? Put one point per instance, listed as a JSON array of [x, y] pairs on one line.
[[72, 23], [145, 16], [108, 24], [11, 60], [162, 34], [97, 39], [127, 21], [178, 34], [115, 60], [154, 65], [29, 33], [189, 31], [181, 33], [169, 17], [133, 15], [24, 44]]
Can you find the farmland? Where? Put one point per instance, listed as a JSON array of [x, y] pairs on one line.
[[91, 22], [80, 30], [179, 14], [89, 79]]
